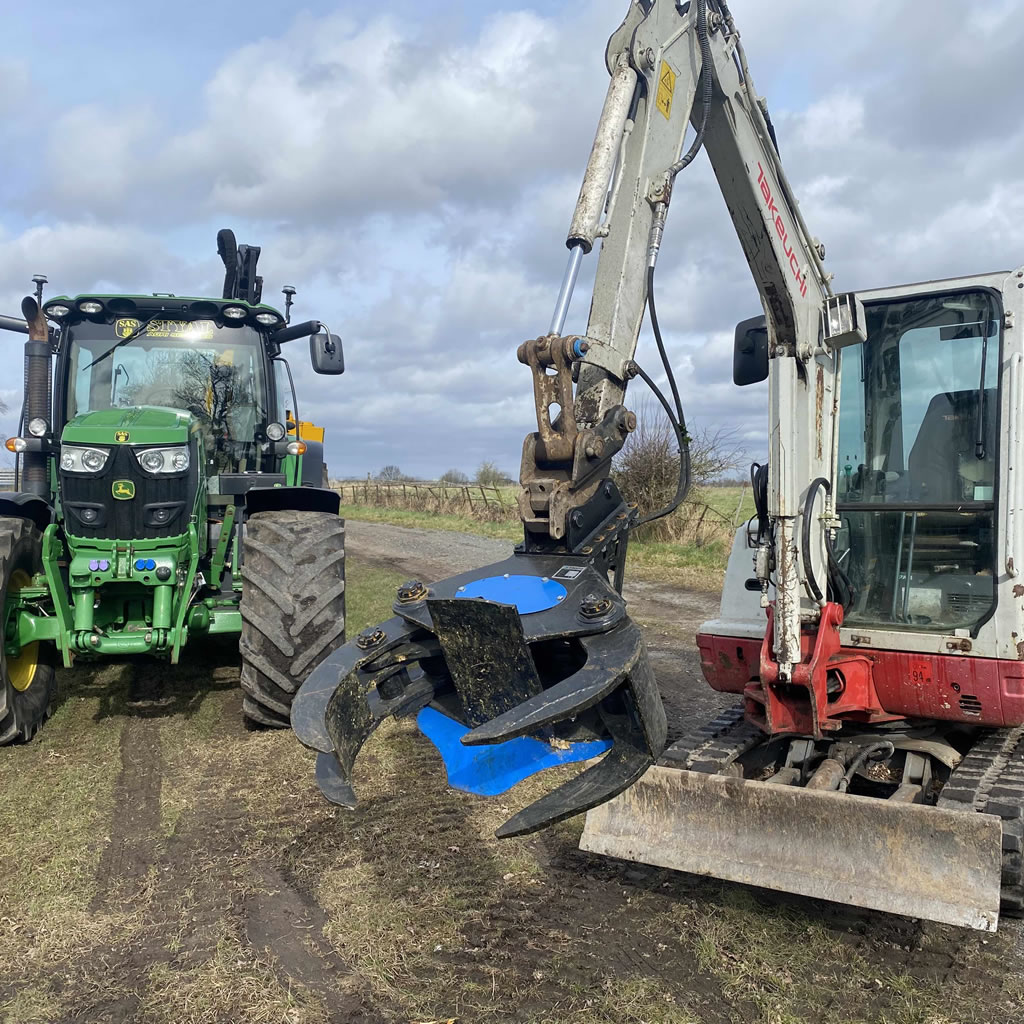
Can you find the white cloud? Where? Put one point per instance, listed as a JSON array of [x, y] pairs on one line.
[[416, 186]]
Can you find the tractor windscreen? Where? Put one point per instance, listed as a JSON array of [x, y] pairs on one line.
[[216, 373], [918, 453]]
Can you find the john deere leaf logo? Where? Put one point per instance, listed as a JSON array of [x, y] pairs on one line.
[[123, 489], [121, 435]]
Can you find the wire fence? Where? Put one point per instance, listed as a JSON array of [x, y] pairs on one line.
[[477, 500], [696, 521]]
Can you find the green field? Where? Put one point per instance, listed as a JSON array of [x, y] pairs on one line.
[[686, 562]]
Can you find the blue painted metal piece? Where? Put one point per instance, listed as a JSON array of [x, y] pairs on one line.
[[528, 593], [494, 769]]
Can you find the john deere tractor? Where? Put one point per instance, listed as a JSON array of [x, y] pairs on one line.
[[166, 490]]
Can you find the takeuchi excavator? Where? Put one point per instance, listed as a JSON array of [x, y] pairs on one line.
[[872, 620]]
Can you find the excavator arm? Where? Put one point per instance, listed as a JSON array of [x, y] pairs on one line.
[[534, 661]]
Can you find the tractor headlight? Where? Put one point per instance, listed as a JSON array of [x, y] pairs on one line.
[[37, 426], [74, 459], [164, 460], [275, 431]]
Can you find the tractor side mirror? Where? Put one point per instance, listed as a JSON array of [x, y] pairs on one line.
[[326, 355], [750, 352]]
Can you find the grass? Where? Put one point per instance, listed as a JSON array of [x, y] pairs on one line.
[[688, 564], [407, 909]]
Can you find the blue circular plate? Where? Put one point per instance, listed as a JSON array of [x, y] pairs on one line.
[[528, 593]]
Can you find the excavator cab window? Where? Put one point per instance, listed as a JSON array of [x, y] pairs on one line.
[[918, 457]]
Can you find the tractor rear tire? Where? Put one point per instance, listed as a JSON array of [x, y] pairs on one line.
[[27, 687], [293, 606]]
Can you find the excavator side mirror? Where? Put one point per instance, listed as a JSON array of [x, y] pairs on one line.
[[750, 352], [326, 355]]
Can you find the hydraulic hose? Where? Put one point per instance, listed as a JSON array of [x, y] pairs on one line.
[[873, 752], [805, 536], [840, 583]]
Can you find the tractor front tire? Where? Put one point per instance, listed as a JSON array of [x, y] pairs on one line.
[[293, 606], [28, 688]]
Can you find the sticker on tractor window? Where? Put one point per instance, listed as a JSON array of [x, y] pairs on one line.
[[121, 436], [123, 489], [187, 330], [666, 89], [569, 572]]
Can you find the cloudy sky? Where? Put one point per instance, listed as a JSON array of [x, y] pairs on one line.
[[411, 167]]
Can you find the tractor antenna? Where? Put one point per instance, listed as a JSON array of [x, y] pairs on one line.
[[289, 292], [39, 280]]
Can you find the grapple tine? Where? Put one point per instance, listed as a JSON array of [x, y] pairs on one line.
[[309, 708], [626, 762], [610, 657], [331, 713], [331, 782]]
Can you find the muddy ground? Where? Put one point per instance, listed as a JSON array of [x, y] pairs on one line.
[[160, 862]]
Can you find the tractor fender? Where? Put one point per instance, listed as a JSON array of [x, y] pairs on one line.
[[313, 464], [299, 499], [21, 505]]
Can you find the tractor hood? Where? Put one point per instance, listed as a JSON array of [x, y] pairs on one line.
[[143, 424]]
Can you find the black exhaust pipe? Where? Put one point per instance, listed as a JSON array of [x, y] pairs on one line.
[[38, 395]]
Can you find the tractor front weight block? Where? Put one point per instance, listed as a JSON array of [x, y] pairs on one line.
[[531, 662]]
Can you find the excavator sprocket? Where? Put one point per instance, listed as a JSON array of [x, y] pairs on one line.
[[536, 646]]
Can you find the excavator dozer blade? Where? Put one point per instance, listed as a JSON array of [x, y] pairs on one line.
[[910, 859]]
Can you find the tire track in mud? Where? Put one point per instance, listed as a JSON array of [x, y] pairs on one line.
[[181, 895], [132, 845]]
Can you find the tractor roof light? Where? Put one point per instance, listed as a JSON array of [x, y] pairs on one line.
[[296, 447], [57, 310], [38, 427], [268, 319], [16, 444], [90, 307], [234, 312]]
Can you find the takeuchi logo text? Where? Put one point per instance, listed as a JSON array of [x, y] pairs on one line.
[[780, 229]]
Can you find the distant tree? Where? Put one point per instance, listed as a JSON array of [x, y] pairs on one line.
[[391, 475], [454, 476], [489, 475]]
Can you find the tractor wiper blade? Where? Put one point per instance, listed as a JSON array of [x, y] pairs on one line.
[[123, 341]]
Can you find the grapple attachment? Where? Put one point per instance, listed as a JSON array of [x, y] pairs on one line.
[[536, 646]]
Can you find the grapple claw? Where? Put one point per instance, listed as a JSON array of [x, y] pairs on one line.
[[333, 786], [534, 657]]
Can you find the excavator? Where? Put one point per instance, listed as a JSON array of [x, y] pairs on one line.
[[872, 619]]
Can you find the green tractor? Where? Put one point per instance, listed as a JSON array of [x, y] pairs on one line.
[[167, 491]]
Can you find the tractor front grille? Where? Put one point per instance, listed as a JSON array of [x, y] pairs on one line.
[[161, 506]]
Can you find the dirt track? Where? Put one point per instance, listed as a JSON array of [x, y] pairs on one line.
[[165, 864]]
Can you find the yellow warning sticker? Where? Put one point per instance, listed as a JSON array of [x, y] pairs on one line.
[[666, 89], [190, 330]]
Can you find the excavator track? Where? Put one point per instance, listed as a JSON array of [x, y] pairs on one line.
[[990, 780], [712, 747]]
